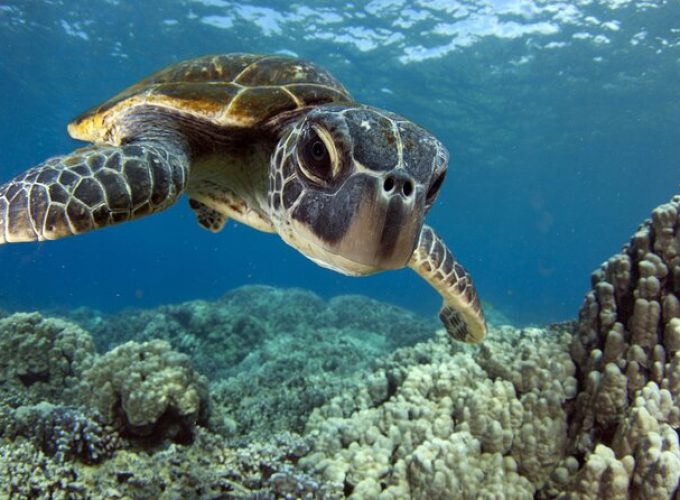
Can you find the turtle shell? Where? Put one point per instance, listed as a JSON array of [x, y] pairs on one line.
[[232, 90]]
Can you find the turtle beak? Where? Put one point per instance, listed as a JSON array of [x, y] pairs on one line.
[[385, 229]]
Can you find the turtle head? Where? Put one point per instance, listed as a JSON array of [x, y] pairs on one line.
[[349, 187]]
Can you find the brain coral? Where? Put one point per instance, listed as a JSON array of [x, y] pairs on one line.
[[627, 349], [148, 390]]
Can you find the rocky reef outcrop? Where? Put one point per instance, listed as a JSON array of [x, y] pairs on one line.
[[627, 349]]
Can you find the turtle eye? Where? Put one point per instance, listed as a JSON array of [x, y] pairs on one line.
[[434, 189], [318, 151], [316, 161]]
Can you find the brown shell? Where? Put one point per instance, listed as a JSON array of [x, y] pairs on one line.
[[232, 90]]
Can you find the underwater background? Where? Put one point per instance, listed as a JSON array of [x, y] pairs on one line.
[[561, 119], [157, 360]]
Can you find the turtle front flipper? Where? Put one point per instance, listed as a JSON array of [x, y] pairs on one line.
[[92, 187], [461, 313]]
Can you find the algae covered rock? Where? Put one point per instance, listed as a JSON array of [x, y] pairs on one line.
[[148, 390], [41, 358]]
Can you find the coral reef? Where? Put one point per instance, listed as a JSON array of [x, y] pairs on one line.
[[219, 335], [588, 409], [65, 433], [41, 359], [147, 390], [431, 421], [627, 349], [207, 469], [286, 378], [136, 402], [272, 355]]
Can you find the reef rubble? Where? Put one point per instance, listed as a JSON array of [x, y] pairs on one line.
[[351, 398]]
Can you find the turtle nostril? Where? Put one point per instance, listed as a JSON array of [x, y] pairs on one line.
[[398, 185], [388, 185]]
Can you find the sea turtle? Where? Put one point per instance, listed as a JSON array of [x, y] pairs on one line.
[[274, 142]]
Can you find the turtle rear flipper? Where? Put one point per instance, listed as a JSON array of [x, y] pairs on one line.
[[92, 187], [461, 313], [207, 217]]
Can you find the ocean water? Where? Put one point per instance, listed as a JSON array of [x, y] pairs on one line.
[[561, 118]]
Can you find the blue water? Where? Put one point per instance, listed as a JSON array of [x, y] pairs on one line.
[[562, 120]]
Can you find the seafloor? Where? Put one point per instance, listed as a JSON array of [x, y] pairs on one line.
[[270, 393]]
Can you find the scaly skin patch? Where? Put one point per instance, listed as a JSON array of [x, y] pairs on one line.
[[461, 313], [91, 188]]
